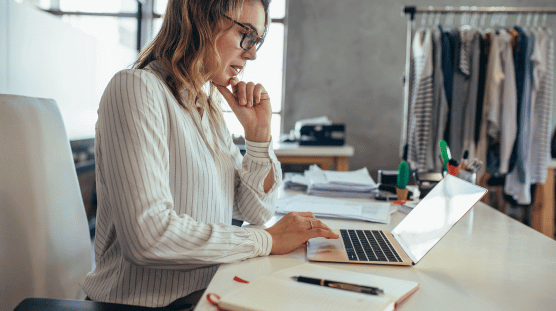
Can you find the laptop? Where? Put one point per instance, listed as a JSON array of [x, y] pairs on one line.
[[412, 238]]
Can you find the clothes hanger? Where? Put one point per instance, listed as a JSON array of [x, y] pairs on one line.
[[483, 20], [431, 17], [518, 20], [437, 20], [503, 18]]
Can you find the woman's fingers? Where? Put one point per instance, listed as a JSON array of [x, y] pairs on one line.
[[249, 88], [259, 90], [294, 229], [228, 96], [241, 92], [319, 229]]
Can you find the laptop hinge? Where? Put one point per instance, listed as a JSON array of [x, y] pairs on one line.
[[404, 247]]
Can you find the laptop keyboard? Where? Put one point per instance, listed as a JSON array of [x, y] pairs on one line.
[[368, 245]]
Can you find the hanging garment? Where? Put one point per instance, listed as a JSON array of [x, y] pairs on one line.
[[447, 61], [500, 93], [521, 79], [518, 181], [542, 101], [464, 101], [485, 44], [440, 105], [491, 48], [420, 110]]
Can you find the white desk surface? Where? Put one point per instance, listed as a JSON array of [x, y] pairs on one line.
[[488, 261], [293, 149]]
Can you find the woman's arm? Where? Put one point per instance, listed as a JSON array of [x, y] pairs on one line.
[[134, 170]]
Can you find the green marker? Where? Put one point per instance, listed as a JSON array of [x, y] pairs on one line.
[[445, 151]]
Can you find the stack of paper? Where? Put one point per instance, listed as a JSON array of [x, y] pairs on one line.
[[295, 182], [335, 208], [353, 184]]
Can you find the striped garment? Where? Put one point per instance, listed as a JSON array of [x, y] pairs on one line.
[[543, 101], [420, 111], [168, 183]]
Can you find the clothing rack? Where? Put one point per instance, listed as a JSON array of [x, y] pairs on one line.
[[411, 11]]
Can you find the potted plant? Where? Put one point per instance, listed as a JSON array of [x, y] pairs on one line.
[[403, 178]]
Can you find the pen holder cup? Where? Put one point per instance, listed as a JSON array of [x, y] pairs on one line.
[[468, 176]]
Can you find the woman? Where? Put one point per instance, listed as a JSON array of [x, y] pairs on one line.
[[169, 178]]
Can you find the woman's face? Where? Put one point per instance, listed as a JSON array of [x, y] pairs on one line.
[[232, 56]]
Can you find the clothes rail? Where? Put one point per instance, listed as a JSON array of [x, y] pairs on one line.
[[411, 11]]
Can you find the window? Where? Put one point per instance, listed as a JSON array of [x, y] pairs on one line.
[[113, 21], [133, 23]]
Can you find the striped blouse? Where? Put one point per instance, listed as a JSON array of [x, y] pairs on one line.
[[168, 184]]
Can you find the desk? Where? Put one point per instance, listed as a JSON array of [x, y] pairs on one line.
[[323, 156], [542, 214], [488, 261]]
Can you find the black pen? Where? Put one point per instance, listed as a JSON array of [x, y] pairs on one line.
[[340, 285]]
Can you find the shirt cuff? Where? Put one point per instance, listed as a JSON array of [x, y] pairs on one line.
[[259, 151], [263, 241]]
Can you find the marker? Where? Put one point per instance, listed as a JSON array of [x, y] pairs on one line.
[[340, 285], [445, 151]]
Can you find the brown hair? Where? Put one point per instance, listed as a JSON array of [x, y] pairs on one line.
[[185, 48]]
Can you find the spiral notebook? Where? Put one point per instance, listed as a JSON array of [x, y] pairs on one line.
[[279, 292]]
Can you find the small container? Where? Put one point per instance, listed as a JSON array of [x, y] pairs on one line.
[[468, 176], [402, 193]]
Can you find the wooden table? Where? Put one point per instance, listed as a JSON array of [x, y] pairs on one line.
[[488, 261], [323, 156], [542, 215]]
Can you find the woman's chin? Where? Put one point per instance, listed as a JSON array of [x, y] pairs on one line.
[[222, 81]]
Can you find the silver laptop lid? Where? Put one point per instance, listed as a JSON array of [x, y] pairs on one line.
[[435, 215]]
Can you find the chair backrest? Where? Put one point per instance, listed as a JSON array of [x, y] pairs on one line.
[[45, 249]]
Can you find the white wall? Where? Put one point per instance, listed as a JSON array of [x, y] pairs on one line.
[[42, 56], [3, 45]]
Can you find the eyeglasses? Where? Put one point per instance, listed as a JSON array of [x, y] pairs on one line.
[[250, 38]]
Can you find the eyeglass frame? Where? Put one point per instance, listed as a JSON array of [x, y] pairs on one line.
[[258, 40]]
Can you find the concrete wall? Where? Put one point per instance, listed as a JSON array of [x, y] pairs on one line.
[[345, 60]]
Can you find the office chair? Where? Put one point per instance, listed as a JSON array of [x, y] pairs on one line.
[[45, 248]]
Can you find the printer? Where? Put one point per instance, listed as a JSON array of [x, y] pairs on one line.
[[320, 132]]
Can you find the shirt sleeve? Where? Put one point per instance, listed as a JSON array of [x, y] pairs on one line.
[[251, 203], [133, 166]]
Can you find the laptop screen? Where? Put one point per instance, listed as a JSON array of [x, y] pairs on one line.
[[436, 214]]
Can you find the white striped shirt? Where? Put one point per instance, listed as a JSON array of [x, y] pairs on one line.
[[420, 110], [168, 184]]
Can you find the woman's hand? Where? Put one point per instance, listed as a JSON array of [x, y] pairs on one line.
[[294, 229], [251, 104]]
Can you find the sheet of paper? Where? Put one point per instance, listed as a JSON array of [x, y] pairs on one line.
[[358, 177], [322, 208], [336, 208]]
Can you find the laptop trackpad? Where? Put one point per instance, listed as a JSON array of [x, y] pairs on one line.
[[322, 249]]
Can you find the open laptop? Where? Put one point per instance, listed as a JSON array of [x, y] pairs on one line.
[[412, 238]]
